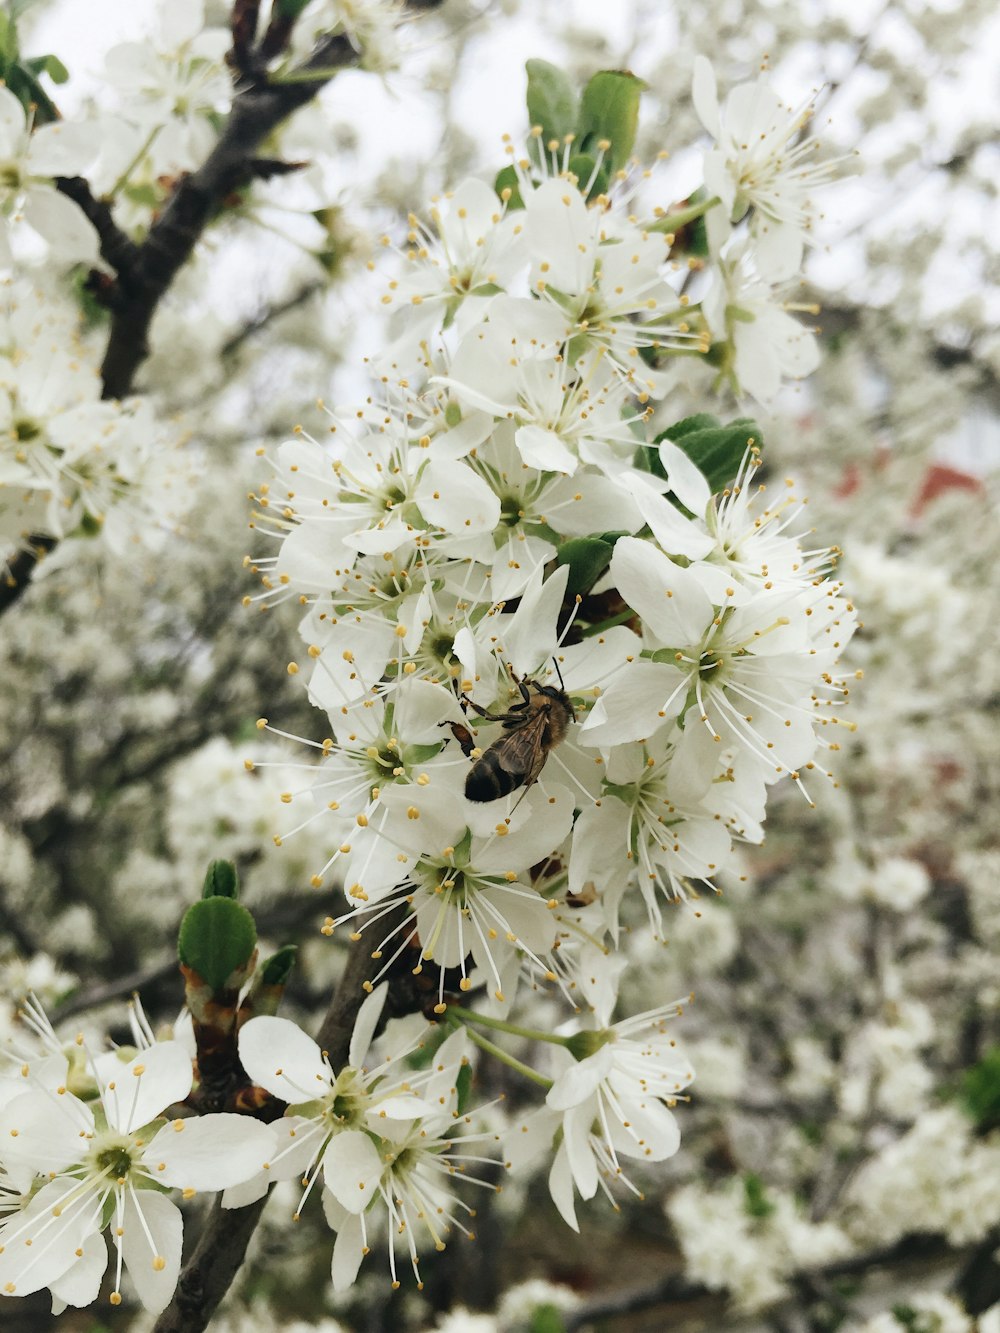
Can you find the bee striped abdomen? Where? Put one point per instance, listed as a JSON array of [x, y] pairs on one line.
[[531, 729], [488, 780]]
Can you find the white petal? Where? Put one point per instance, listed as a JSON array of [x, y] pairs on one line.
[[366, 1022], [705, 96], [576, 1139], [643, 698], [280, 1057], [348, 1251], [560, 233], [676, 534], [550, 818], [526, 1142], [455, 498], [153, 1268], [62, 149], [580, 1081], [210, 1152], [399, 1106], [61, 223], [81, 1284], [45, 1133], [141, 1090], [41, 1243], [544, 450], [668, 597], [529, 636], [12, 118], [686, 480], [561, 1187], [352, 1169]]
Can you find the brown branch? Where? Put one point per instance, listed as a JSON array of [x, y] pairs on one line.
[[117, 248], [675, 1288], [221, 1248], [20, 567], [208, 1274], [243, 25], [335, 1031], [145, 272], [256, 111], [268, 315]]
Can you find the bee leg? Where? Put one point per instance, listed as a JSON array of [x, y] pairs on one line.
[[463, 735], [482, 712]]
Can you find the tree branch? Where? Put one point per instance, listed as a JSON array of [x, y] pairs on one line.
[[16, 577], [256, 111], [221, 1248]]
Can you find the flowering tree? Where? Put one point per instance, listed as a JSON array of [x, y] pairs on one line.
[[562, 635]]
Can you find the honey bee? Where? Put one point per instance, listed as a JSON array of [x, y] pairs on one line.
[[532, 728]]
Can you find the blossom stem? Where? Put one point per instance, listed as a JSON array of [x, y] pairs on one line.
[[589, 631], [485, 1044], [501, 1025], [122, 180], [674, 221]]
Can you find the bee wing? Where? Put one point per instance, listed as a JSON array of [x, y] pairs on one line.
[[521, 753]]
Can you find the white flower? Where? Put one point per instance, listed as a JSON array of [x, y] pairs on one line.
[[603, 277], [383, 1136], [471, 250], [28, 161], [107, 1163], [609, 1100], [173, 85], [923, 1312], [745, 308], [762, 160], [753, 676]]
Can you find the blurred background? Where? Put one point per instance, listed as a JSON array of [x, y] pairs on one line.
[[840, 1156]]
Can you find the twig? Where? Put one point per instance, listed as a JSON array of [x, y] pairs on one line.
[[268, 315], [117, 249], [222, 1246], [674, 1287], [256, 111], [17, 575], [207, 1275]]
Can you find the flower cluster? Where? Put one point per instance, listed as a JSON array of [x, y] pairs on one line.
[[88, 1143], [562, 663], [560, 672], [71, 462]]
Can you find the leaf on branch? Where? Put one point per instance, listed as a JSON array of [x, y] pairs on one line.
[[717, 450], [609, 109], [552, 102], [217, 939]]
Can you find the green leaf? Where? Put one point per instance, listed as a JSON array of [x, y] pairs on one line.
[[716, 450], [582, 166], [546, 1319], [588, 558], [217, 936], [755, 1201], [463, 1087], [507, 180], [8, 39], [30, 93], [50, 65], [291, 9], [551, 100], [221, 881], [702, 421], [278, 968], [609, 109], [981, 1090]]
